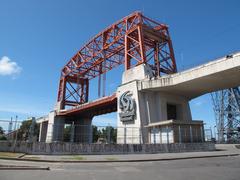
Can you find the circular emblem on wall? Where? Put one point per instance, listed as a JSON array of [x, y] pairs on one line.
[[127, 106]]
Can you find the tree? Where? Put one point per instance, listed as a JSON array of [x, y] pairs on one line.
[[104, 133], [1, 131], [23, 133], [111, 133], [2, 136], [96, 133], [67, 133]]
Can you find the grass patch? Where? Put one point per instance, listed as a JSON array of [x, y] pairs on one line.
[[111, 159], [33, 157], [76, 158], [10, 154]]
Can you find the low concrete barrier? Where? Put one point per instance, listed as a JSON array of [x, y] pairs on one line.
[[77, 148]]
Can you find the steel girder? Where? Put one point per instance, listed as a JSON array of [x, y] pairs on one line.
[[133, 40]]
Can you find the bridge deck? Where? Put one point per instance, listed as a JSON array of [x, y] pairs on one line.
[[220, 74], [100, 106]]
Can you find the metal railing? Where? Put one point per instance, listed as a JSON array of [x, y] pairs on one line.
[[27, 132]]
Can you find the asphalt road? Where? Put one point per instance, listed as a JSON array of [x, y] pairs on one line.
[[221, 168]]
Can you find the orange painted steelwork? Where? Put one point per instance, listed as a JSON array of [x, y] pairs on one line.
[[133, 40], [101, 106]]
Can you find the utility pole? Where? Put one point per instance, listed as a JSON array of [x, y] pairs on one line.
[[16, 133]]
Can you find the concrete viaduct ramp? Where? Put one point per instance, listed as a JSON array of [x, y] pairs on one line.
[[220, 74]]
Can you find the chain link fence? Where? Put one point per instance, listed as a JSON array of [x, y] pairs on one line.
[[90, 134], [15, 130], [29, 131]]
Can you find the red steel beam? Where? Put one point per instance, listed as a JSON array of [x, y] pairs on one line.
[[101, 106], [133, 40]]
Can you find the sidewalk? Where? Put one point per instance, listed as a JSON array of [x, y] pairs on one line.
[[222, 150]]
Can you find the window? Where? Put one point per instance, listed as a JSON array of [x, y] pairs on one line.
[[171, 111]]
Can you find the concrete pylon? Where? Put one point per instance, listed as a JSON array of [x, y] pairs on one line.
[[142, 113], [131, 123], [55, 127], [83, 130], [43, 131]]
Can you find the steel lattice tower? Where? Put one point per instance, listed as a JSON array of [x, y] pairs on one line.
[[226, 105]]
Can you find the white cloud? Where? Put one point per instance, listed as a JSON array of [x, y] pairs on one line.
[[9, 67]]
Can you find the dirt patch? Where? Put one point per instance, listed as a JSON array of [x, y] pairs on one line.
[[237, 146]]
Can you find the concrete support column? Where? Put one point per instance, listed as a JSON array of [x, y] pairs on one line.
[[125, 135], [83, 130], [43, 131], [201, 131], [40, 132], [160, 133], [72, 132], [191, 135], [144, 135], [154, 135], [55, 128], [167, 135], [179, 134], [140, 136], [108, 135]]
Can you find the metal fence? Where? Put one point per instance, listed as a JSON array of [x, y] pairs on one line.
[[90, 134], [176, 134], [14, 131], [208, 135]]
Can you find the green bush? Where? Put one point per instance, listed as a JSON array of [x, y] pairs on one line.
[[3, 138]]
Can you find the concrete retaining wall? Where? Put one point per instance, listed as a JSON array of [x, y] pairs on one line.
[[77, 148]]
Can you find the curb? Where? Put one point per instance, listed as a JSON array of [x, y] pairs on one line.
[[24, 168], [113, 161]]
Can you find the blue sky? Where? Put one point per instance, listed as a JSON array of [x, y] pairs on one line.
[[38, 37]]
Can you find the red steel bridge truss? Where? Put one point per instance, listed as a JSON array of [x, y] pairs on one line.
[[131, 41]]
